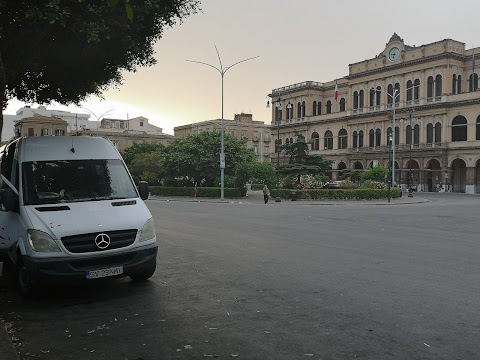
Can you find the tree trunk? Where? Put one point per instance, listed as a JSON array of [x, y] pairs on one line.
[[3, 87]]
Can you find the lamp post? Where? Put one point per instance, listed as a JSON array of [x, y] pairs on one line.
[[98, 117], [278, 119], [222, 70], [410, 175], [389, 176]]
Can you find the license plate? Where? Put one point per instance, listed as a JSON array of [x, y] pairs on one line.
[[95, 274]]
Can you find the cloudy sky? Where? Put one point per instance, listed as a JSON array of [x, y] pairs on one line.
[[295, 41]]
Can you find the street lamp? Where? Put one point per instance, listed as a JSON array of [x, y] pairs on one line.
[[98, 117], [389, 176], [278, 119], [410, 175], [222, 72]]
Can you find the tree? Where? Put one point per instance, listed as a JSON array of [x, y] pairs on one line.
[[377, 173], [129, 154], [149, 167], [300, 162], [65, 50], [255, 172], [198, 156]]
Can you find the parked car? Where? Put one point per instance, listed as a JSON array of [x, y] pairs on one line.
[[333, 185]]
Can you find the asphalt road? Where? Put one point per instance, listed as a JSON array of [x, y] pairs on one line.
[[278, 281]]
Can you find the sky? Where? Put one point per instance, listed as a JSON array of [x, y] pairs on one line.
[[295, 41]]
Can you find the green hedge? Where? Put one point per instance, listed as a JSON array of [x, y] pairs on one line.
[[206, 192], [338, 194]]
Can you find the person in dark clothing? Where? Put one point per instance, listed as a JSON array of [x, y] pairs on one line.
[[266, 193]]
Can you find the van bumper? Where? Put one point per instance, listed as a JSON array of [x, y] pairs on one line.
[[72, 269]]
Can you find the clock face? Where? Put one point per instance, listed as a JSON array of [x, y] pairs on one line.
[[394, 54]]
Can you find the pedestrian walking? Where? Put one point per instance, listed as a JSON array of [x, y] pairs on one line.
[[266, 193]]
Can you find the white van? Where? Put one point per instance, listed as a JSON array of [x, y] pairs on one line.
[[71, 211]]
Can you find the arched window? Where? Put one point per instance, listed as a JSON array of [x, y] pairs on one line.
[[342, 104], [459, 84], [408, 135], [329, 107], [299, 110], [438, 85], [459, 128], [291, 140], [454, 84], [328, 141], [287, 141], [355, 140], [342, 139], [361, 97], [473, 86], [315, 141], [416, 134], [378, 137], [438, 133], [278, 114], [397, 93], [314, 112], [371, 138], [416, 90], [355, 99], [409, 90], [372, 97], [390, 93], [430, 133], [377, 95], [276, 145], [303, 108], [360, 139], [430, 87], [319, 108], [477, 137]]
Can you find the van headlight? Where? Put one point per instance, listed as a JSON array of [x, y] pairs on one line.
[[42, 242], [148, 231]]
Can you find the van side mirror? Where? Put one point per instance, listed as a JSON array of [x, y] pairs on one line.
[[9, 199], [143, 190]]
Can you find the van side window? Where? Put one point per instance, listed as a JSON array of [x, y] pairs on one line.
[[7, 164]]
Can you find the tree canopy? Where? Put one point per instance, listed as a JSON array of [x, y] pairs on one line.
[[65, 50], [197, 156], [302, 163], [130, 153]]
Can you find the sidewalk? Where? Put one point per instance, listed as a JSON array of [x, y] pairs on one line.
[[256, 197], [7, 352]]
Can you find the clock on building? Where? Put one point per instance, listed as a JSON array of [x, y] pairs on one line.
[[394, 54]]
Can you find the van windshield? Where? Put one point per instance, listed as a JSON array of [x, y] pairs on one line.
[[60, 181]]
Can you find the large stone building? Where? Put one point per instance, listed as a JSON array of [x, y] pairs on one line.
[[39, 125], [424, 99], [256, 134]]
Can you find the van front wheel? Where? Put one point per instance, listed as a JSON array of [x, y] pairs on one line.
[[145, 274], [24, 282]]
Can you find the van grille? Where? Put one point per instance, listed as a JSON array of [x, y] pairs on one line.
[[86, 242]]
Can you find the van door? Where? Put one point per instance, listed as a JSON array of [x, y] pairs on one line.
[[9, 171]]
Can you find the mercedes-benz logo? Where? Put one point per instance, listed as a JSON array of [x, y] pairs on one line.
[[102, 241]]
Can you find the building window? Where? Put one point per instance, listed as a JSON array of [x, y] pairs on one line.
[[342, 139], [31, 132], [416, 134], [266, 137], [438, 85], [44, 132], [303, 108], [278, 114], [378, 137], [361, 98], [287, 141], [255, 136], [473, 86], [408, 135], [430, 87], [459, 128], [397, 93], [244, 135], [390, 94], [478, 128], [416, 89], [314, 108], [360, 139], [438, 133], [232, 133], [299, 109], [291, 140], [329, 107], [355, 140], [371, 138], [409, 90], [141, 123], [315, 141], [328, 141], [266, 151], [319, 108], [355, 99], [430, 133], [256, 150], [342, 104], [372, 97]]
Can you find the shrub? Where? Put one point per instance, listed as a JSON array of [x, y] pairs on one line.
[[371, 184], [207, 192]]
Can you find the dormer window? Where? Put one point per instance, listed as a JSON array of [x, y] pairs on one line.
[[141, 123]]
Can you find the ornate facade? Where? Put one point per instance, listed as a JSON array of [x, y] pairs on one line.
[[415, 107]]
